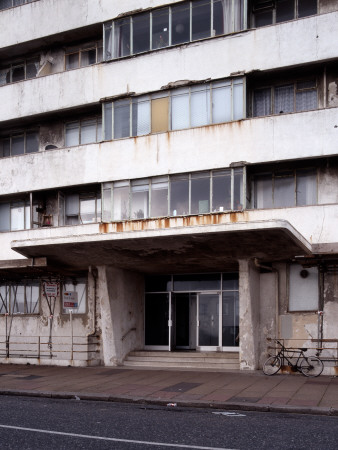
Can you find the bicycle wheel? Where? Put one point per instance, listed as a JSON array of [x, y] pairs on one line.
[[272, 365], [311, 366]]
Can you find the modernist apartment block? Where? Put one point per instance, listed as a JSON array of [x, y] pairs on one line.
[[168, 181]]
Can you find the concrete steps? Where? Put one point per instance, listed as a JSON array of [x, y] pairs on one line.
[[184, 360]]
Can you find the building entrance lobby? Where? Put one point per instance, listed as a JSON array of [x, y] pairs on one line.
[[192, 312]]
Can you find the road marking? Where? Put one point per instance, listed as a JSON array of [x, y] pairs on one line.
[[101, 438], [227, 413]]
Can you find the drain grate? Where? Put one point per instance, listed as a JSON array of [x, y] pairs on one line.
[[181, 387]]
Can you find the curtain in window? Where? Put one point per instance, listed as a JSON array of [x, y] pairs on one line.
[[180, 109], [108, 39], [200, 106], [238, 100], [306, 100], [121, 200], [263, 191], [306, 188], [221, 102], [121, 119], [88, 131], [141, 116], [72, 134], [17, 216], [159, 197], [108, 121], [284, 190], [262, 102], [139, 199], [122, 37], [284, 96]]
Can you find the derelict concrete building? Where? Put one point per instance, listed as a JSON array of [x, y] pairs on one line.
[[168, 180]]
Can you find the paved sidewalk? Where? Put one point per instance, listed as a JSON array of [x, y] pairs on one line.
[[194, 388]]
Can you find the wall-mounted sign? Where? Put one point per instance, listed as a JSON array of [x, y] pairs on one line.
[[51, 289], [69, 299]]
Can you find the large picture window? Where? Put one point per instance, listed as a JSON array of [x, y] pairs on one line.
[[292, 97], [19, 143], [174, 195], [20, 298], [184, 22], [187, 107], [285, 189], [267, 12]]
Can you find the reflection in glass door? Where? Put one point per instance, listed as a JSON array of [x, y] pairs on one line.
[[230, 319], [208, 320], [157, 321]]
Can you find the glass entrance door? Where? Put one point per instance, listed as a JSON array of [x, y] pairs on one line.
[[157, 323], [208, 322]]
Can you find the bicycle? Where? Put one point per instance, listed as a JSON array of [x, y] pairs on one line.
[[310, 366]]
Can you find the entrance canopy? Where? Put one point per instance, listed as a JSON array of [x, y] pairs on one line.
[[215, 247]]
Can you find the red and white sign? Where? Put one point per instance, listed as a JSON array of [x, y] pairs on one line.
[[70, 299], [51, 289]]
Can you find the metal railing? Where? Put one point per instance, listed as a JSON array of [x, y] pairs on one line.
[[79, 348]]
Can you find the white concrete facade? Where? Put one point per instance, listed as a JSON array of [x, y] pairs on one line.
[[54, 201]]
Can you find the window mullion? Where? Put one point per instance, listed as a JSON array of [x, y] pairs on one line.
[[211, 190], [232, 189], [211, 17], [190, 22], [189, 208], [170, 25]]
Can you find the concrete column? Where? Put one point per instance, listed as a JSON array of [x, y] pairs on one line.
[[249, 314], [121, 304]]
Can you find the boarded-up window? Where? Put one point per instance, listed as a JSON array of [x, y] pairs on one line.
[[159, 114], [303, 288]]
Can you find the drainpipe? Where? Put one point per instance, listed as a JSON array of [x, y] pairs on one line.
[[276, 272], [321, 310]]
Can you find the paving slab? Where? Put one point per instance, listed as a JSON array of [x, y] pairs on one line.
[[197, 388]]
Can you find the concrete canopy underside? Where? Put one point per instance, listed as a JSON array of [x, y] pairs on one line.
[[188, 249]]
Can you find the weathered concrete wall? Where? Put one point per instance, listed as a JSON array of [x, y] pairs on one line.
[[121, 300], [243, 52], [326, 6], [26, 329], [58, 16], [249, 315], [252, 140]]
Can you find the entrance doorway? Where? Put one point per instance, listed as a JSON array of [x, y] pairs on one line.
[[196, 320]]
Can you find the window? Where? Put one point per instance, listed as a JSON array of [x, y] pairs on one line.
[[294, 97], [15, 215], [19, 144], [184, 22], [82, 208], [20, 298], [86, 55], [174, 195], [4, 4], [74, 295], [303, 288], [84, 131], [19, 70], [187, 107], [267, 12], [285, 189]]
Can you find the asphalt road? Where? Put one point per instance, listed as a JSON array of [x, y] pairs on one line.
[[37, 423]]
